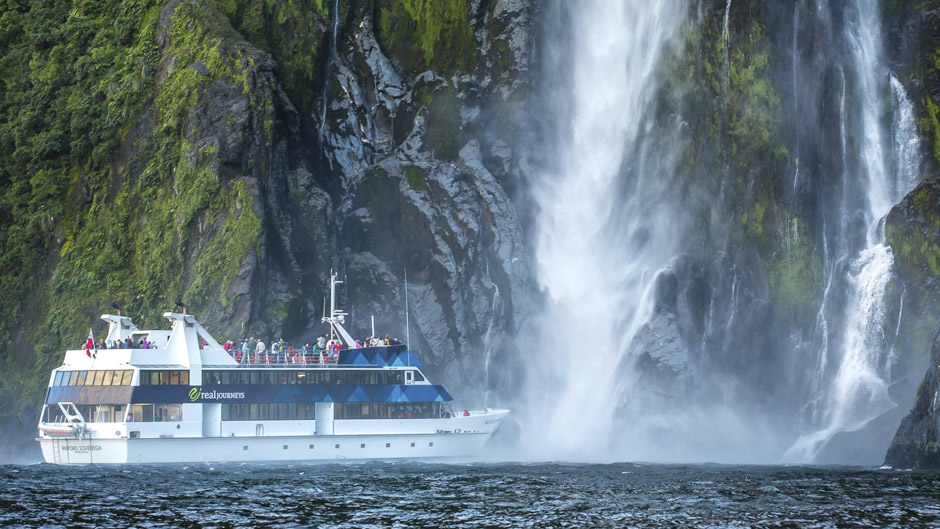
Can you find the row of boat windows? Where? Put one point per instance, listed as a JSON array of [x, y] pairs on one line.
[[269, 411], [349, 410], [164, 378], [181, 377], [385, 410], [117, 413], [93, 378], [270, 376], [250, 412]]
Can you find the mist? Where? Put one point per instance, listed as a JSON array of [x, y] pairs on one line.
[[710, 293]]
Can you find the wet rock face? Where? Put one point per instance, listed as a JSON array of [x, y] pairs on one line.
[[917, 441], [912, 228], [417, 148], [913, 231]]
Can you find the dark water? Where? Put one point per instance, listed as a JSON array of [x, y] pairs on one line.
[[480, 495]]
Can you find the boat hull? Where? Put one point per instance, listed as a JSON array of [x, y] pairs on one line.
[[261, 449]]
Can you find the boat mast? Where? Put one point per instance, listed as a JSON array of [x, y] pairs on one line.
[[337, 318], [407, 327]]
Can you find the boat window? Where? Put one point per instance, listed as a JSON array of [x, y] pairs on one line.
[[256, 377], [99, 376], [81, 378], [418, 376], [73, 376], [143, 412], [57, 379], [164, 378], [225, 377], [106, 378], [184, 378], [126, 378], [167, 413], [174, 378]]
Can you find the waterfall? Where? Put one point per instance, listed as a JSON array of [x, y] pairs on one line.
[[590, 262], [905, 142], [858, 390], [725, 41], [331, 54]]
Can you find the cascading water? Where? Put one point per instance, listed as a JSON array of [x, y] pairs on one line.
[[619, 370], [331, 57], [595, 284], [858, 391]]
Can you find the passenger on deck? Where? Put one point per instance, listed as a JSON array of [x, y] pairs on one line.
[[466, 412], [259, 351], [245, 350]]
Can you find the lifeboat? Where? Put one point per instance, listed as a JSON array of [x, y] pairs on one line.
[[60, 429]]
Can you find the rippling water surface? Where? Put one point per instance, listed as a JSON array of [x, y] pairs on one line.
[[478, 495]]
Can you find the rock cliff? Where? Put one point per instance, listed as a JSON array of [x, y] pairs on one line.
[[229, 154], [913, 229], [917, 441]]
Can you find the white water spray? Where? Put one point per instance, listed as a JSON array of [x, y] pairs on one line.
[[858, 391], [596, 287]]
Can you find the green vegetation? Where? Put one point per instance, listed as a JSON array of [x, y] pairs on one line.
[[293, 31], [916, 245], [416, 178], [931, 124], [427, 34], [103, 196], [793, 278]]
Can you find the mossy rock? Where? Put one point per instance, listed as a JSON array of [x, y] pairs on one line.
[[427, 34]]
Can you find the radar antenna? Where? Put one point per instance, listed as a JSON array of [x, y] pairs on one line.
[[337, 318]]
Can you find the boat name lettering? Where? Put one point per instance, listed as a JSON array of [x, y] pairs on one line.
[[82, 448], [197, 394]]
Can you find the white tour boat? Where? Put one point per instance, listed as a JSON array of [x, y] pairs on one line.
[[186, 399]]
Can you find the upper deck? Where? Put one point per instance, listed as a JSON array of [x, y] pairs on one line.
[[189, 346]]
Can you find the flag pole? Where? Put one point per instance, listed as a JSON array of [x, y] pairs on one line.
[[407, 326]]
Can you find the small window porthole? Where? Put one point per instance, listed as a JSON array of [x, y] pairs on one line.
[[388, 445], [245, 447], [363, 445], [337, 445], [285, 447], [311, 447], [412, 445], [431, 443]]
